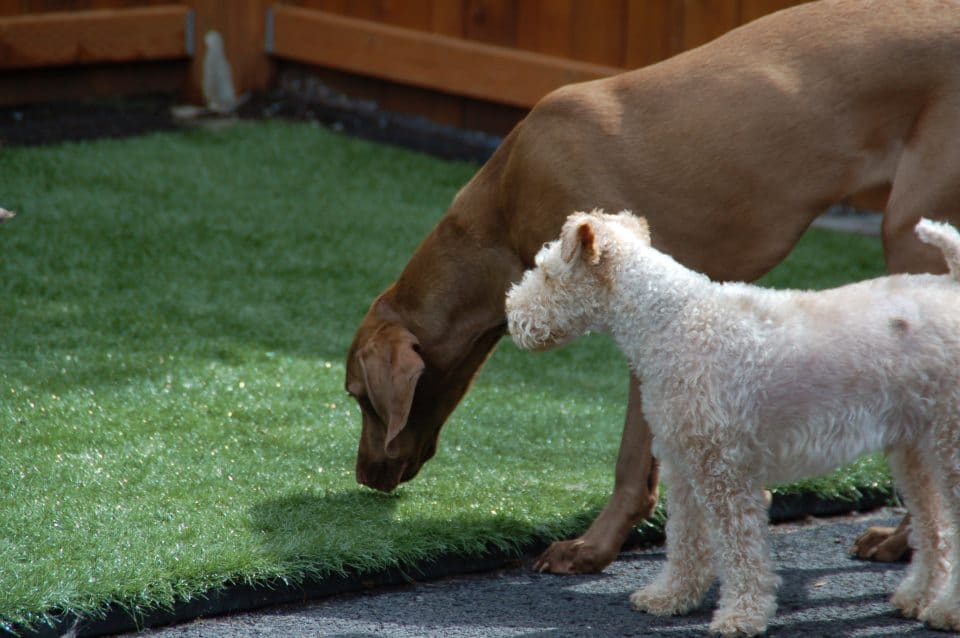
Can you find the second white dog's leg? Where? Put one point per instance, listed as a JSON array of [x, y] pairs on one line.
[[684, 580], [737, 519], [944, 611], [927, 571]]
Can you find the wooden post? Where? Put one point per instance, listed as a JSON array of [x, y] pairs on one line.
[[241, 23], [428, 60]]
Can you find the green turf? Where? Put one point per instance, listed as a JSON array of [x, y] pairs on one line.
[[175, 312]]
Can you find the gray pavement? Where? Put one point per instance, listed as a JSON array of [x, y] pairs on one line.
[[848, 220], [824, 593]]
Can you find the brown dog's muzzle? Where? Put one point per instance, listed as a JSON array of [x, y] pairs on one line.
[[385, 470], [383, 476]]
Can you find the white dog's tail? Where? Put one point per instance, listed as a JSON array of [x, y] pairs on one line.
[[946, 238]]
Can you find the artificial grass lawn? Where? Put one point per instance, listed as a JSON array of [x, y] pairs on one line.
[[175, 311]]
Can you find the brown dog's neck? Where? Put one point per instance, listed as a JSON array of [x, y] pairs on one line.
[[451, 293], [452, 302]]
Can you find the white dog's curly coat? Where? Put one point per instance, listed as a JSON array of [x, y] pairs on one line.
[[745, 386]]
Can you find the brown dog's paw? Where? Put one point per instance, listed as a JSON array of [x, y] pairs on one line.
[[573, 557], [883, 544]]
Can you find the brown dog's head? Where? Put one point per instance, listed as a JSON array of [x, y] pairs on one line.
[[405, 392], [383, 369]]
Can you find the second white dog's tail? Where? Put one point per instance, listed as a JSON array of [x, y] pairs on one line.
[[946, 238]]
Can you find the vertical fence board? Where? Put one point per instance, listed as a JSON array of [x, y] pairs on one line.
[[333, 6], [651, 33], [419, 15], [412, 14], [492, 22], [363, 9], [752, 9], [546, 26], [599, 35], [704, 20], [447, 18]]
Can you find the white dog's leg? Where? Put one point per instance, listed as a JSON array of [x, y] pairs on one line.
[[683, 581], [737, 519], [944, 611], [927, 571]]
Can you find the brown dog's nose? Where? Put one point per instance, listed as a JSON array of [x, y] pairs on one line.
[[380, 476]]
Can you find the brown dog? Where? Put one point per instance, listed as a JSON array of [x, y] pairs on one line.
[[730, 150]]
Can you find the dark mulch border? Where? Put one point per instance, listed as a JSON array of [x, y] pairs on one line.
[[302, 99], [47, 124]]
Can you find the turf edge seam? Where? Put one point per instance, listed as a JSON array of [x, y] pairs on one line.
[[244, 597]]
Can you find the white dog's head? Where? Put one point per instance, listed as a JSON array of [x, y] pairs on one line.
[[567, 293]]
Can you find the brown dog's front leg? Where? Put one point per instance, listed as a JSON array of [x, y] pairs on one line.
[[634, 497]]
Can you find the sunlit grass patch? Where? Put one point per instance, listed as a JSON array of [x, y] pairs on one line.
[[176, 309]]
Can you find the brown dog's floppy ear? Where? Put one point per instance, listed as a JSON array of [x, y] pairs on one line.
[[578, 239], [391, 368]]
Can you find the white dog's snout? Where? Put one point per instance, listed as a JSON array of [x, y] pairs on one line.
[[524, 316]]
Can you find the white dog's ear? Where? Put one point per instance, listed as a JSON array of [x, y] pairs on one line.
[[637, 224], [579, 241]]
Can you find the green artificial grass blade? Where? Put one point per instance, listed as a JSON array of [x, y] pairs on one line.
[[176, 309]]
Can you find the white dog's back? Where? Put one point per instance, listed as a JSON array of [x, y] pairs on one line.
[[814, 378], [823, 377]]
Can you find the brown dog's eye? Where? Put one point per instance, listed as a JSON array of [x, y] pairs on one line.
[[355, 389]]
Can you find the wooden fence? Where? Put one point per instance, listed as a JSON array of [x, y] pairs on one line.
[[69, 49], [475, 63]]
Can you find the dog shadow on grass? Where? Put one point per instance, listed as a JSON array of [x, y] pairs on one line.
[[357, 532], [325, 525]]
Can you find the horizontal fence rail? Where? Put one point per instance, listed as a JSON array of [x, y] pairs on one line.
[[96, 36], [407, 56]]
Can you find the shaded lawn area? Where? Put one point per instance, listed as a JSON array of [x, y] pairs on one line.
[[175, 311]]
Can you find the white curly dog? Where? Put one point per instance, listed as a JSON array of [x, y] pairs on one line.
[[745, 386]]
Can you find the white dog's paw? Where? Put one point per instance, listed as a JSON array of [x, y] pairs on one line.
[[663, 601], [909, 601], [737, 623], [916, 592], [941, 614], [749, 617]]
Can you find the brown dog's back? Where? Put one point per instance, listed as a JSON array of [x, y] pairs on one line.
[[730, 150]]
